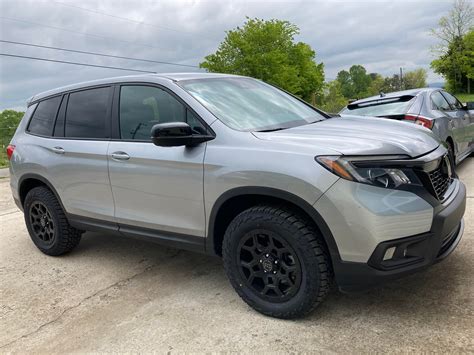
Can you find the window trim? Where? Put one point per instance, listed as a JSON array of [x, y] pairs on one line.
[[433, 106], [27, 130], [115, 117]]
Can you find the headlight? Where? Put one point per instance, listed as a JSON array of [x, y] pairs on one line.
[[369, 170]]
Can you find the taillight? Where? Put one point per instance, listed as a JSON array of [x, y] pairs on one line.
[[10, 150], [422, 121]]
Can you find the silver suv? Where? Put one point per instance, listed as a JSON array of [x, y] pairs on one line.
[[292, 199]]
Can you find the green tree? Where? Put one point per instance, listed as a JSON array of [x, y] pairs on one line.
[[267, 50], [345, 81], [376, 84], [9, 120], [454, 25], [453, 53], [355, 83], [360, 80], [415, 79], [456, 65], [333, 100]]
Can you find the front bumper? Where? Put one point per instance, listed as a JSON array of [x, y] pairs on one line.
[[423, 250]]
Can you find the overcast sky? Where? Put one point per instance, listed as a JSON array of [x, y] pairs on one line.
[[381, 35]]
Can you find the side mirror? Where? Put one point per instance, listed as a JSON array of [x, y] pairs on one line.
[[175, 134], [470, 105]]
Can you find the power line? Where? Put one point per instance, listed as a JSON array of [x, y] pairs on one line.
[[122, 18], [75, 63], [95, 53], [77, 32]]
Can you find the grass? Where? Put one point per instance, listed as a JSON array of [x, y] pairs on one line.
[[465, 97]]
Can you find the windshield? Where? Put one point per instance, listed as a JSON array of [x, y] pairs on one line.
[[246, 104], [379, 108]]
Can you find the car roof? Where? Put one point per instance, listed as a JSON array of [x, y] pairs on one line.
[[412, 92], [129, 78]]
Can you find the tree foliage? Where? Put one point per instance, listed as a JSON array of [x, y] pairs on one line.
[[9, 120], [456, 65], [455, 48], [454, 25], [414, 79], [333, 99], [356, 83], [267, 50]]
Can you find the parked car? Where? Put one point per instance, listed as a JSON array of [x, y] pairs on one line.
[[291, 198], [432, 108]]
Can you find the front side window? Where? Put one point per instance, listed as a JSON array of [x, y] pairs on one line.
[[142, 107], [246, 104], [86, 113], [439, 102], [42, 122], [453, 102]]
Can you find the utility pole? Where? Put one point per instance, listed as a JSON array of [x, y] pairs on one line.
[[401, 78]]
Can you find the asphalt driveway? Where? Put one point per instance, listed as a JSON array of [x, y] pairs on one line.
[[116, 294]]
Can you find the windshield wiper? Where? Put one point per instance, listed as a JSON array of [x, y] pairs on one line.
[[272, 130]]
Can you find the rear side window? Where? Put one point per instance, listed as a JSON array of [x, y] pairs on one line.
[[42, 122], [439, 102], [387, 107], [86, 113], [453, 102]]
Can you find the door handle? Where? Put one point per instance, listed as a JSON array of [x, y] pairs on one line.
[[58, 150], [120, 156]]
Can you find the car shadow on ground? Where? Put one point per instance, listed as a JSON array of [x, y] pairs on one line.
[[409, 297]]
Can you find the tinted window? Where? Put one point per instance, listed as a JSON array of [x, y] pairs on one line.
[[141, 107], [380, 108], [453, 102], [86, 113], [439, 102], [42, 122]]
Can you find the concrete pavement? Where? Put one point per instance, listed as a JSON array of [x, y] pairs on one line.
[[121, 295]]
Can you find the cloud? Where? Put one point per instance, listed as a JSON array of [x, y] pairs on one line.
[[381, 35]]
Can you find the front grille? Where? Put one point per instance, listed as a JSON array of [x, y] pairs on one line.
[[440, 181]]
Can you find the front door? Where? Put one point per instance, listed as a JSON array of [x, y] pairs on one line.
[[155, 188]]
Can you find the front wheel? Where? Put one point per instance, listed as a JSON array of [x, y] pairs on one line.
[[276, 261]]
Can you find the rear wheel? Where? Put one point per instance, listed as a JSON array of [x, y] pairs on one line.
[[276, 261], [47, 224]]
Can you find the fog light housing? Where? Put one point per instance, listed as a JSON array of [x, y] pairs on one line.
[[399, 253]]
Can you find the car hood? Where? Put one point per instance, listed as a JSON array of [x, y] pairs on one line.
[[359, 135]]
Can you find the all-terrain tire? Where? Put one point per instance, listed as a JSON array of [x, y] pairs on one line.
[[301, 238], [41, 202]]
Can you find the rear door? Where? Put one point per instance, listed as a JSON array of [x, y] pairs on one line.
[[463, 120], [79, 153], [159, 189]]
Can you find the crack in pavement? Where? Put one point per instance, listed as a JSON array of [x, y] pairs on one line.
[[11, 212], [66, 310]]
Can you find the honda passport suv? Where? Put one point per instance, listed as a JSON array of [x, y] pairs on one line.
[[292, 199]]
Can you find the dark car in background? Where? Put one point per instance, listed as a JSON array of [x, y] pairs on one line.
[[433, 108]]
